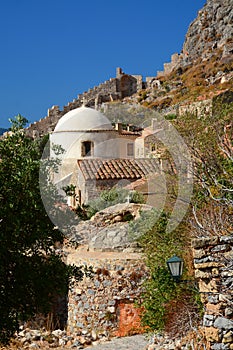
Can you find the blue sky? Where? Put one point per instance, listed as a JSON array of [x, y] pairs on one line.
[[52, 50]]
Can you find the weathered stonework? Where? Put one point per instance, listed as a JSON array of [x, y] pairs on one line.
[[122, 86], [213, 262], [105, 302]]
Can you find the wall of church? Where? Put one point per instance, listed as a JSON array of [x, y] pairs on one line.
[[126, 146], [139, 147], [104, 143]]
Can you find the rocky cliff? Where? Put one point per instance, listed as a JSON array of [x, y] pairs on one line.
[[210, 31]]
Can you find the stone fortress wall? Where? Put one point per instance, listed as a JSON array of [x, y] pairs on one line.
[[114, 89], [176, 60], [123, 85]]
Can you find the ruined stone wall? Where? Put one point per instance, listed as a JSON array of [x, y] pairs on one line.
[[168, 67], [199, 108], [105, 302], [213, 262], [104, 92], [113, 89]]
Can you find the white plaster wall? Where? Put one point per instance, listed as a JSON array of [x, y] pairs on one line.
[[139, 148], [105, 143], [122, 147]]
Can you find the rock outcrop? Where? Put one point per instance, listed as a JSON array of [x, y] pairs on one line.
[[210, 34], [210, 31], [108, 230]]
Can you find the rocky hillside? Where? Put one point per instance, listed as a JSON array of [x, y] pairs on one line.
[[108, 229], [210, 31], [203, 69]]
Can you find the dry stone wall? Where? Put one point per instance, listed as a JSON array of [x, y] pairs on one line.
[[105, 302], [213, 262]]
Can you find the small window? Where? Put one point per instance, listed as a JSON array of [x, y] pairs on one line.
[[87, 149], [130, 149], [153, 147]]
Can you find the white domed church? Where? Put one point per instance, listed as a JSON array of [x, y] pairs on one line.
[[96, 155], [84, 132]]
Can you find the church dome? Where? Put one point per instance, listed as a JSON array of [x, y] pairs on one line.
[[81, 119]]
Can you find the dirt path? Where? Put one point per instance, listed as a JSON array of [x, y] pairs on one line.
[[136, 342]]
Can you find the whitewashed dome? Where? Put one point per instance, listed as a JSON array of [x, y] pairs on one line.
[[81, 119]]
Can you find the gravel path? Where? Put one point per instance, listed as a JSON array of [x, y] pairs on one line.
[[136, 342]]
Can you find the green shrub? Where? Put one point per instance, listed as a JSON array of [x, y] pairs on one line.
[[170, 116], [160, 290], [108, 198]]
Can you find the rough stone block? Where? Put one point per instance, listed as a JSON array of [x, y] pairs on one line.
[[203, 242], [219, 347], [213, 308], [208, 320], [226, 239], [207, 265], [223, 323], [228, 337], [199, 253], [212, 334], [208, 287], [206, 259], [225, 297], [213, 299], [228, 311], [220, 248], [202, 274]]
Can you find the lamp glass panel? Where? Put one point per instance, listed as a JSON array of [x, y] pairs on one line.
[[176, 268]]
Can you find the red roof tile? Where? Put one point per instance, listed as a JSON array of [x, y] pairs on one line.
[[105, 169]]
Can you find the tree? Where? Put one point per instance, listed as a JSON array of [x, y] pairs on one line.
[[32, 273], [210, 142]]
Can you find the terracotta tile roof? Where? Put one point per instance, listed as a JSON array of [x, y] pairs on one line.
[[105, 169]]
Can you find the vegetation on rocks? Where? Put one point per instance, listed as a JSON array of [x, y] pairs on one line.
[[210, 142], [162, 294], [106, 199], [174, 307]]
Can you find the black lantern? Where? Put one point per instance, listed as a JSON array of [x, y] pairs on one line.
[[175, 266]]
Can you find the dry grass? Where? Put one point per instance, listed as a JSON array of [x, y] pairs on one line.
[[195, 82]]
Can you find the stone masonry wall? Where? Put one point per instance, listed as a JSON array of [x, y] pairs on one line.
[[199, 108], [104, 304], [213, 262], [113, 89]]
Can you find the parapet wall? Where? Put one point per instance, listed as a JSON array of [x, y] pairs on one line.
[[213, 262]]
